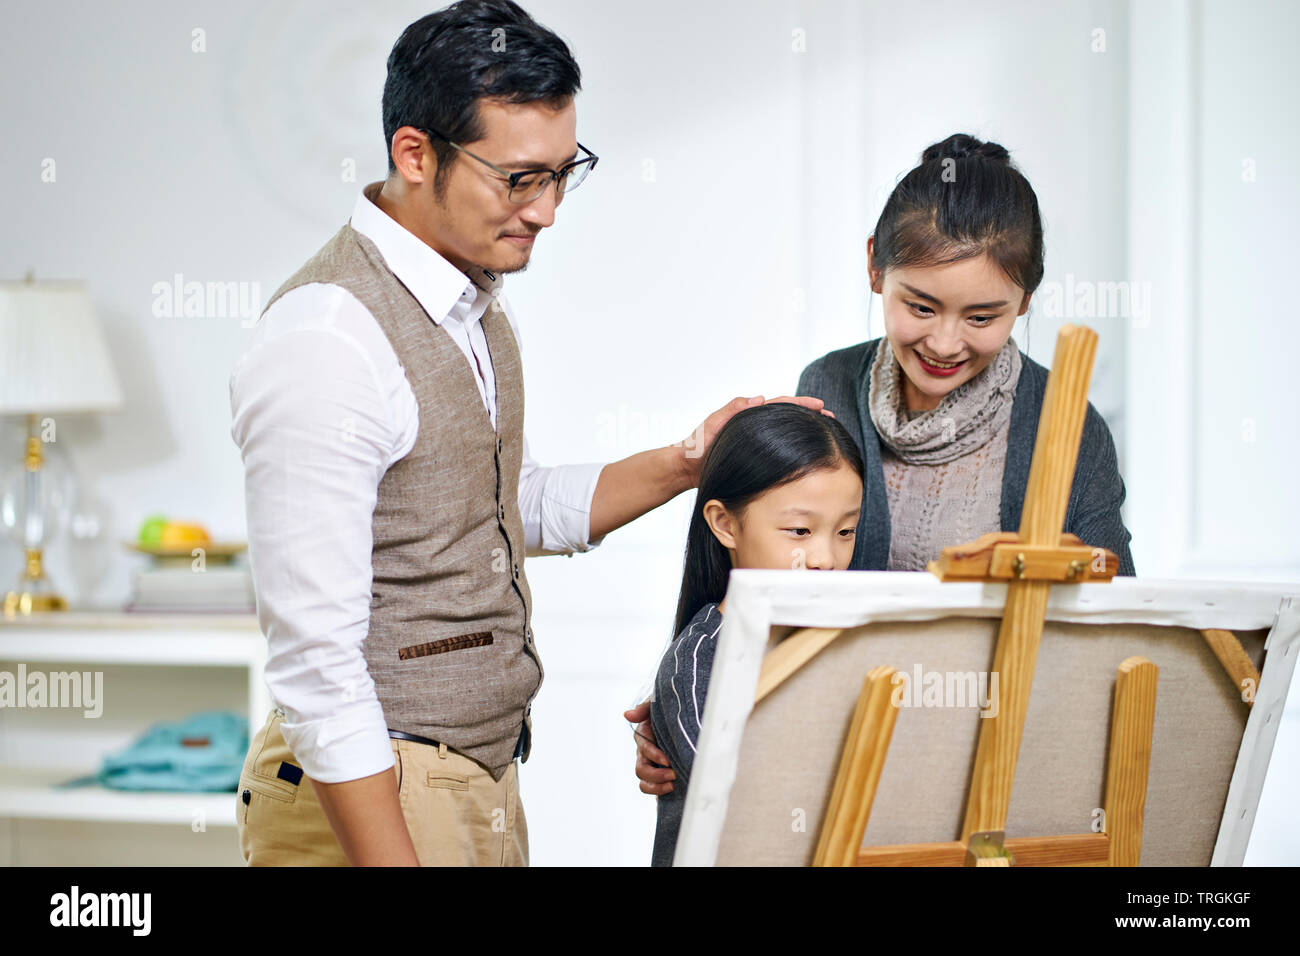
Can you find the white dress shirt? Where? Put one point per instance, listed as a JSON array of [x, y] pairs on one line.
[[321, 408]]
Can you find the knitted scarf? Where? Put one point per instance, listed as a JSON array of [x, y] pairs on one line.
[[964, 419]]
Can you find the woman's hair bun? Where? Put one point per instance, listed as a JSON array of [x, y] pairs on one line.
[[962, 146], [986, 207]]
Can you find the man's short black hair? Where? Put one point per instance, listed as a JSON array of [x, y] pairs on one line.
[[443, 63]]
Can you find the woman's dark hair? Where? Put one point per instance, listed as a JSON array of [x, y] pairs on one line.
[[965, 198], [443, 63], [759, 448]]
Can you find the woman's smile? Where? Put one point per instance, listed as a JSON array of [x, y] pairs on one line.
[[939, 368]]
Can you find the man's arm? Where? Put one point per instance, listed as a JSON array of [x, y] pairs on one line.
[[315, 439], [366, 815], [629, 488], [555, 505], [625, 490], [563, 513]]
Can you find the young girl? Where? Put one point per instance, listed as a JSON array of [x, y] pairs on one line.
[[780, 488]]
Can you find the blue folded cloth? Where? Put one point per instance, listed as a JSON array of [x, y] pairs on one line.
[[203, 752]]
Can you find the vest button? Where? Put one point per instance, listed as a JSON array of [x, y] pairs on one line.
[[516, 570], [501, 512], [245, 796], [498, 444]]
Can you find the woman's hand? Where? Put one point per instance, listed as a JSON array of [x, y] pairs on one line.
[[651, 762], [697, 445]]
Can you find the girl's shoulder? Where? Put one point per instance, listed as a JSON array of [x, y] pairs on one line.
[[705, 623], [689, 656]]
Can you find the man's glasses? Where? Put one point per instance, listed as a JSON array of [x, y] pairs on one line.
[[529, 184]]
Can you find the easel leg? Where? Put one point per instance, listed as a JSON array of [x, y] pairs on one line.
[[1129, 759], [998, 747], [861, 761]]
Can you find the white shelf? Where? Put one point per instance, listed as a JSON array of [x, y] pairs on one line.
[[220, 640], [30, 793], [117, 619], [87, 639]]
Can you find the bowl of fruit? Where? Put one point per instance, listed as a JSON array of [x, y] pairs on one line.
[[169, 540]]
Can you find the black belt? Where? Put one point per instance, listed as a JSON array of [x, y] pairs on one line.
[[401, 735], [419, 740]]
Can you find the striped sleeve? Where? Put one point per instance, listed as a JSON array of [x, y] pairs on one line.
[[681, 688]]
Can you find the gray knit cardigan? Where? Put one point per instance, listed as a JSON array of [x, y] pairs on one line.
[[840, 379]]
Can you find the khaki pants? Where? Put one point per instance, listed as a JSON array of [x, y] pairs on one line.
[[456, 813]]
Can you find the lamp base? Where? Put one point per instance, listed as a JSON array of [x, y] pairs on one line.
[[26, 602], [34, 595]]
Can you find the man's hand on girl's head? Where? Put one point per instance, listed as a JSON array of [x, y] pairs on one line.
[[695, 447]]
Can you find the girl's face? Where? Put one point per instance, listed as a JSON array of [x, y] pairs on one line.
[[958, 315], [807, 523]]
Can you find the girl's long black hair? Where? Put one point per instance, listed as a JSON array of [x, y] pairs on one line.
[[758, 449]]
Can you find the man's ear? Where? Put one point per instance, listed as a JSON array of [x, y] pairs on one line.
[[414, 162], [876, 277], [721, 522]]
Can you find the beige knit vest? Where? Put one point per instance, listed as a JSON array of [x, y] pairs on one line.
[[450, 646]]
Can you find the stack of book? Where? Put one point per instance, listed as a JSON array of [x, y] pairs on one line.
[[180, 588]]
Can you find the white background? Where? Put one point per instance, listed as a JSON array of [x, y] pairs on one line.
[[718, 249]]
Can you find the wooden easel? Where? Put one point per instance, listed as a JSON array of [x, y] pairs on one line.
[[1030, 562]]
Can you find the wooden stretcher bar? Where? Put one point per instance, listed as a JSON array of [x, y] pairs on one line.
[[1236, 662]]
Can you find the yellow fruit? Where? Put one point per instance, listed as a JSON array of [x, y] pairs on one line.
[[178, 534]]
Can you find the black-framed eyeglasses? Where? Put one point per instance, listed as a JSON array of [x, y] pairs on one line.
[[529, 184]]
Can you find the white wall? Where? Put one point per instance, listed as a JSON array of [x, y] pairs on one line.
[[1212, 404], [1213, 216], [717, 250]]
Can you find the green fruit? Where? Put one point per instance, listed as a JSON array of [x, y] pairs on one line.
[[151, 530]]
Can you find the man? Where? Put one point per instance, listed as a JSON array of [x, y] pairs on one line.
[[391, 496]]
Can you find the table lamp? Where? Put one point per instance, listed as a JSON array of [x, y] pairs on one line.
[[53, 360]]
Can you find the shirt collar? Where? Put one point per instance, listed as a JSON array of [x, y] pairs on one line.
[[442, 290]]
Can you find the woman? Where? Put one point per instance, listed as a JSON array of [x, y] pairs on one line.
[[945, 407]]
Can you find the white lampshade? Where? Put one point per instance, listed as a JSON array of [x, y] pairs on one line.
[[52, 352]]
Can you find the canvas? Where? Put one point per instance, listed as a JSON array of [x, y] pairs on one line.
[[763, 773]]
